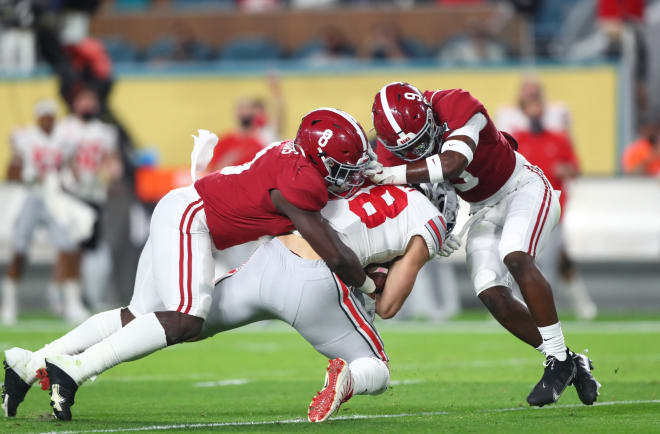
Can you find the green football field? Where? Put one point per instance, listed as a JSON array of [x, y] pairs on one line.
[[464, 376]]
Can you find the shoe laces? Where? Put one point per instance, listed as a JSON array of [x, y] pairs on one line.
[[549, 362]]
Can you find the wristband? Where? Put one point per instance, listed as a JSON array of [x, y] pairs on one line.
[[368, 286], [435, 169]]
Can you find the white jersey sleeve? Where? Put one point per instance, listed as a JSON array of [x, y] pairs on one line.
[[379, 222]]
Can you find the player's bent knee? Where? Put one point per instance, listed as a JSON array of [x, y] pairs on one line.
[[497, 300], [371, 376], [518, 262], [126, 316], [179, 327]]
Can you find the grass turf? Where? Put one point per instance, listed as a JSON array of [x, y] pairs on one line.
[[463, 377]]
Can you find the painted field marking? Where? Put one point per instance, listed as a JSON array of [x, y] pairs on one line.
[[351, 417]]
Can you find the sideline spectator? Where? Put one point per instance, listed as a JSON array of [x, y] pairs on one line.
[[553, 152], [555, 117], [642, 157], [333, 48], [92, 163], [473, 47], [254, 129], [388, 43], [38, 152], [17, 48]]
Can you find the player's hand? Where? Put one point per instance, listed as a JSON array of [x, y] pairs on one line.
[[387, 175], [373, 166], [451, 244]]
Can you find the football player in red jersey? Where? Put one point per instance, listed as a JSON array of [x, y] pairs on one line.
[[282, 189], [448, 135]]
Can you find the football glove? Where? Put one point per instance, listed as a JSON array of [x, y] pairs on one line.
[[451, 244]]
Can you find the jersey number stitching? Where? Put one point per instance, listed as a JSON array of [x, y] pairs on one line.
[[379, 204], [469, 181]]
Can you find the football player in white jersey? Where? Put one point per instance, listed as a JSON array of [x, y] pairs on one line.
[[91, 163], [285, 279], [36, 156]]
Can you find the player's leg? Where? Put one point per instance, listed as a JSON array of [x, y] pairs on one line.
[[533, 212], [22, 366], [182, 273], [26, 222], [336, 323], [570, 278], [492, 281]]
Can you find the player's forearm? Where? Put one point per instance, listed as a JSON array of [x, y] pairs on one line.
[[398, 286], [436, 168], [346, 265]]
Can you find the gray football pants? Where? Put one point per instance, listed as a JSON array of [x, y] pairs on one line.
[[277, 284]]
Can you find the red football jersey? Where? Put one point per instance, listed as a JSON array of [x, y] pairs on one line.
[[237, 198], [547, 150], [494, 160]]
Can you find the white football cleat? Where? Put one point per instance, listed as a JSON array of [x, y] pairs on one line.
[[338, 389], [17, 379]]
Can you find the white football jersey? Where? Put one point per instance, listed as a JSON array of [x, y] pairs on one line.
[[88, 145], [40, 153], [379, 221]]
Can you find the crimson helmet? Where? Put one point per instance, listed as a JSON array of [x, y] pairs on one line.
[[404, 122], [337, 146]]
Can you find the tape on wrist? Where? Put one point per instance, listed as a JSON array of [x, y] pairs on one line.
[[434, 166], [368, 286], [399, 174]]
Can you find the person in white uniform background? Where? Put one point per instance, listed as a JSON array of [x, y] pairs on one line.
[[37, 154]]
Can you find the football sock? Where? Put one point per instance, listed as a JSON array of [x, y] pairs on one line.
[[553, 341], [93, 330], [9, 303], [371, 376], [541, 348], [139, 338]]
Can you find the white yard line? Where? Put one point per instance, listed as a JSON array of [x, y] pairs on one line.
[[351, 417]]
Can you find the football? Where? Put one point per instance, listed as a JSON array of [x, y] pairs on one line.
[[378, 272]]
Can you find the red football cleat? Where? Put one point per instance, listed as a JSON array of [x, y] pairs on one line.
[[338, 389]]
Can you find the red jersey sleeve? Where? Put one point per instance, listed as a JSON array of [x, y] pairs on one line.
[[303, 186], [454, 106]]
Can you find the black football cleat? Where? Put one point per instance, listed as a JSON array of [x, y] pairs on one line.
[[556, 377], [586, 385], [13, 391], [63, 390]]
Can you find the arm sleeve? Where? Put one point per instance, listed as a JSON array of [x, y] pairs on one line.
[[303, 187], [472, 129]]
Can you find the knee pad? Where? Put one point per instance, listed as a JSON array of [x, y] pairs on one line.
[[487, 278]]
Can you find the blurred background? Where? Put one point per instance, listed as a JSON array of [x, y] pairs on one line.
[[100, 98]]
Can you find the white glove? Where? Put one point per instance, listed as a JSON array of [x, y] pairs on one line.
[[373, 166], [451, 244], [388, 175], [202, 152]]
